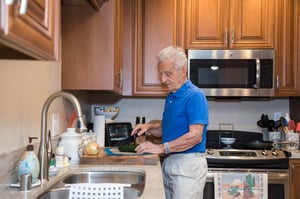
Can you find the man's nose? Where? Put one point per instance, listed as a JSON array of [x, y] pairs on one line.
[[163, 78]]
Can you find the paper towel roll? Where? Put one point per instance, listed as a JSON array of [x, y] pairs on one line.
[[99, 129]]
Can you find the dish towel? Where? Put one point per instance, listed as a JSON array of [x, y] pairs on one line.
[[96, 191], [241, 185]]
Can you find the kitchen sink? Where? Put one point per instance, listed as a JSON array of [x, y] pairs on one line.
[[125, 177], [134, 179], [57, 193]]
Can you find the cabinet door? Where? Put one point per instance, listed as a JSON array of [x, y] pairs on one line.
[[155, 29], [35, 33], [222, 24], [252, 23], [91, 47], [287, 49], [295, 178], [207, 24]]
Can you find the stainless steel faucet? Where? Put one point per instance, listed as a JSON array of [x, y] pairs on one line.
[[43, 149]]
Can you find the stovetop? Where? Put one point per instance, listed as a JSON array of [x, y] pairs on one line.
[[240, 156]]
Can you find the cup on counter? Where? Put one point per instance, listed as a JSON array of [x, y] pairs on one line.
[[25, 182], [292, 137], [275, 136]]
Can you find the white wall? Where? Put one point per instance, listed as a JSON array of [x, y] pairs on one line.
[[243, 114], [24, 87]]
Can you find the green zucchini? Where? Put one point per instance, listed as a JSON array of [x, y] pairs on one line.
[[128, 148]]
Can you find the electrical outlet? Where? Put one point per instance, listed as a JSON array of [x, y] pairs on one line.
[[277, 115], [55, 124]]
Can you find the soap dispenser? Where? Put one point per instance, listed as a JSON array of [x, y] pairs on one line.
[[29, 162]]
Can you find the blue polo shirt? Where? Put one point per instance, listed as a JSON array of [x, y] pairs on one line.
[[188, 105]]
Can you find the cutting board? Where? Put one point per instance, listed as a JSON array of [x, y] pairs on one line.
[[112, 156]]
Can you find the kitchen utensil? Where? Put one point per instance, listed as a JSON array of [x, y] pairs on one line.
[[264, 122], [277, 124], [284, 124], [291, 125], [298, 127], [73, 117], [259, 144], [271, 125]]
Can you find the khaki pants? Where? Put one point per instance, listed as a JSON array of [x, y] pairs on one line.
[[184, 175]]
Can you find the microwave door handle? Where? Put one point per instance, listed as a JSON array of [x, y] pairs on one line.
[[257, 85]]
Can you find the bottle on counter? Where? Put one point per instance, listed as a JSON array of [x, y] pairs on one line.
[[29, 163]]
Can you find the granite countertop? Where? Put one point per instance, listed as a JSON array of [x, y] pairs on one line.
[[153, 186], [295, 154]]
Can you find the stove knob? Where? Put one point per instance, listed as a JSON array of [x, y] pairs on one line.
[[210, 152], [274, 153], [264, 153]]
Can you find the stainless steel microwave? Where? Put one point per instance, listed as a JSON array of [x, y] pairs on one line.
[[233, 73]]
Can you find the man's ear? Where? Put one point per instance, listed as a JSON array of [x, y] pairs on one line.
[[184, 70]]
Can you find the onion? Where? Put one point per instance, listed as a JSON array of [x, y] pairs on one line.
[[92, 148]]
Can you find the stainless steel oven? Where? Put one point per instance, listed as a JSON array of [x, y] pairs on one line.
[[237, 159]]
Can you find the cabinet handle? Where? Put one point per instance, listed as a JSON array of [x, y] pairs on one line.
[[226, 36], [23, 7], [232, 36], [9, 2], [293, 170], [121, 78], [277, 82]]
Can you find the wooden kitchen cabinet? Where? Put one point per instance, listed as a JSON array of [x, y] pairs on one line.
[[295, 178], [92, 47], [287, 49], [35, 33], [156, 27], [222, 24]]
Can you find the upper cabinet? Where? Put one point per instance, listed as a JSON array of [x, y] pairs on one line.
[[222, 24], [287, 49], [31, 29], [92, 47], [156, 28]]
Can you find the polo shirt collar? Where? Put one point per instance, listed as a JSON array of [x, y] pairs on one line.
[[182, 89]]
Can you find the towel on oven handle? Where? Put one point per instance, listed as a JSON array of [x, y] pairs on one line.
[[241, 185]]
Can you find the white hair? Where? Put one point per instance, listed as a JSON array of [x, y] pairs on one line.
[[174, 53]]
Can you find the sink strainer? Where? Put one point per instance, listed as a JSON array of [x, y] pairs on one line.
[[97, 191]]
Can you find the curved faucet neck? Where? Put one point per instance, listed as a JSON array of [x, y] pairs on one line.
[[43, 150]]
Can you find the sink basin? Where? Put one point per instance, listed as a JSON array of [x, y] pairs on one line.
[[62, 193], [135, 180], [125, 177]]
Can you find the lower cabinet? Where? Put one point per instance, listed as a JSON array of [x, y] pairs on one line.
[[295, 178]]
